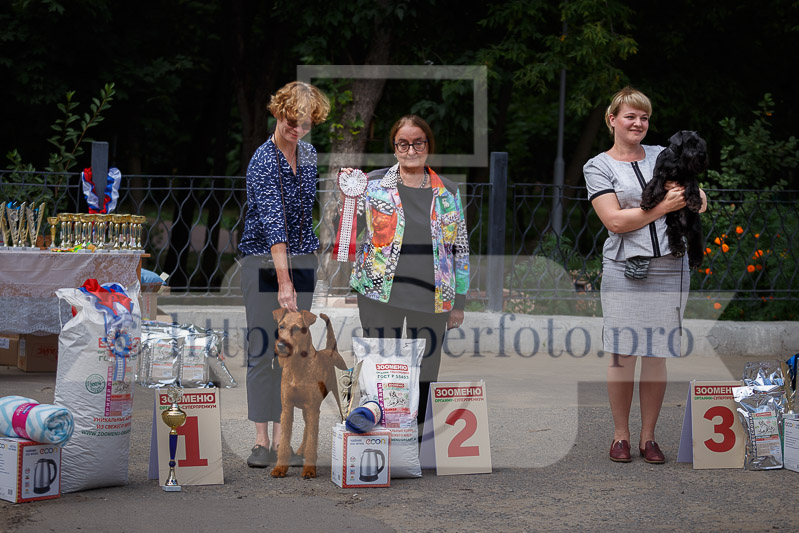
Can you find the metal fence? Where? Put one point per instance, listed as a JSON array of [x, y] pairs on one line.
[[195, 222]]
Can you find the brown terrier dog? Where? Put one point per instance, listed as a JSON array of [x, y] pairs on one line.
[[308, 376]]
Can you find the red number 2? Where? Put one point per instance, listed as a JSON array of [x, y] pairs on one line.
[[456, 448], [191, 433], [723, 429]]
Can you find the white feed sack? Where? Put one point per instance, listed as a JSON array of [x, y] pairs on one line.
[[97, 353], [390, 376]]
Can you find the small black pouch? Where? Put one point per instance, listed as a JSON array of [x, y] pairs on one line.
[[636, 267]]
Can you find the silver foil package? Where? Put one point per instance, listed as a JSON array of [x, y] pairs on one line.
[[764, 373], [182, 353], [760, 411]]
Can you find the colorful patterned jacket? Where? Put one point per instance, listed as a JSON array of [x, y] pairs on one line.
[[378, 253]]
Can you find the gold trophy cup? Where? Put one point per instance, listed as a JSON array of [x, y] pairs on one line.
[[174, 417], [53, 221]]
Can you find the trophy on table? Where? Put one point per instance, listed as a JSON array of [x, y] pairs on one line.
[[35, 216], [3, 226], [75, 229], [139, 221], [119, 229], [66, 230], [53, 221], [101, 227], [16, 221], [174, 417]]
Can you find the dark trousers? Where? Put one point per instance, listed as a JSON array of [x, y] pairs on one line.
[[259, 287], [380, 320]]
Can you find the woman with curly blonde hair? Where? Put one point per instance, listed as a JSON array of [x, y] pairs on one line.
[[278, 263]]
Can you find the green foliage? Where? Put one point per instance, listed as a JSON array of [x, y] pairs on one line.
[[589, 48], [68, 140], [71, 129], [555, 281], [751, 255], [754, 158]]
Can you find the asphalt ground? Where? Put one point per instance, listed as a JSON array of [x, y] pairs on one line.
[[550, 430]]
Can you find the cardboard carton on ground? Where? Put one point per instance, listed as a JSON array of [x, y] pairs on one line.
[[360, 459], [38, 353], [9, 349], [29, 471]]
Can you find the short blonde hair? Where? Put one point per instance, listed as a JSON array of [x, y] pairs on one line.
[[633, 98], [297, 101]]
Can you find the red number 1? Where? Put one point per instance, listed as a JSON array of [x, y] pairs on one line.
[[456, 448], [723, 429], [191, 433]]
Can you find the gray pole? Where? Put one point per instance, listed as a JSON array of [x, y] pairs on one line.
[[100, 168], [496, 230], [557, 195]]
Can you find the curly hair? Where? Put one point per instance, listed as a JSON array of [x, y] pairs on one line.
[[297, 101], [633, 98]]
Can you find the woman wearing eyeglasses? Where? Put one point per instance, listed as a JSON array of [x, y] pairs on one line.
[[412, 267], [278, 267]]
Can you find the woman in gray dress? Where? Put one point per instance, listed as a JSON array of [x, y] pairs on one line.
[[642, 317]]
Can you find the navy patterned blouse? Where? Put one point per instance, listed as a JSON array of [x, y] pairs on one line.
[[264, 224]]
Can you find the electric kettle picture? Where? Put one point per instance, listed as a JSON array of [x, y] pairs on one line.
[[369, 464], [43, 475]]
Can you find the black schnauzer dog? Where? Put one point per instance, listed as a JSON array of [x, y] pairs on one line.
[[682, 161]]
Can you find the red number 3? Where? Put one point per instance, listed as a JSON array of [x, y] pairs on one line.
[[456, 448], [723, 429]]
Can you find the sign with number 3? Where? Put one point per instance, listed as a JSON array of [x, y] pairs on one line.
[[712, 432], [458, 442]]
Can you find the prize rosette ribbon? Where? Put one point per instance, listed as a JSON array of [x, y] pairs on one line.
[[108, 203], [352, 186]]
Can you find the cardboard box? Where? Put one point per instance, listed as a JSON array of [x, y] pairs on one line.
[[148, 303], [361, 459], [38, 353], [29, 471], [791, 441], [9, 349]]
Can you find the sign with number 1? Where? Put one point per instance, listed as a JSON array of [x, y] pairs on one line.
[[458, 443], [199, 453], [711, 429]]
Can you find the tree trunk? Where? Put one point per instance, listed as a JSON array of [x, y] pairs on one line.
[[366, 94]]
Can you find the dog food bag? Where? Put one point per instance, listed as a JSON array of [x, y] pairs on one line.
[[97, 354], [390, 376], [764, 373], [760, 414], [183, 353]]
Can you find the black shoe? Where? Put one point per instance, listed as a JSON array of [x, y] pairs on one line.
[[260, 457]]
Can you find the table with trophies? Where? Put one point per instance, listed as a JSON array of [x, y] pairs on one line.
[[106, 247]]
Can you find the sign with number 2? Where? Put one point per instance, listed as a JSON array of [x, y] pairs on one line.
[[459, 442], [717, 438]]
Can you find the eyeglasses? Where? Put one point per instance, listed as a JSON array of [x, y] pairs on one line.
[[306, 126], [404, 146]]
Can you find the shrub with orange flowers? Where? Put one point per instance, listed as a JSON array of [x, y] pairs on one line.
[[751, 224]]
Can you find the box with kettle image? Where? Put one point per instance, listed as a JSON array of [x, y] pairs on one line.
[[29, 471], [360, 459]]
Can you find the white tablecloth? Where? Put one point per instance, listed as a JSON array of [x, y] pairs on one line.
[[29, 279]]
